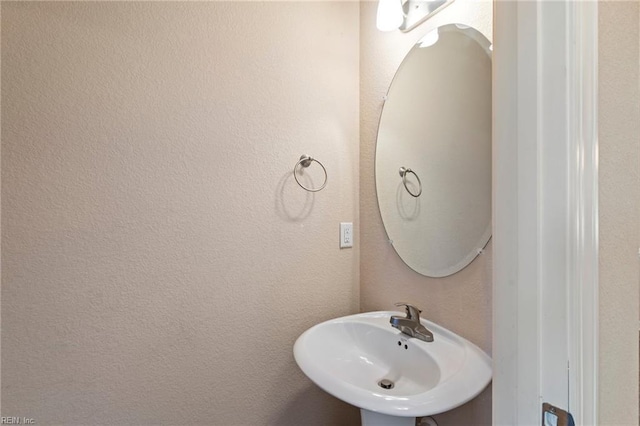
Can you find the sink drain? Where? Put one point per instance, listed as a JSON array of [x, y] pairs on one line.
[[386, 384]]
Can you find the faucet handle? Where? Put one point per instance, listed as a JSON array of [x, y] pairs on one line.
[[413, 313]]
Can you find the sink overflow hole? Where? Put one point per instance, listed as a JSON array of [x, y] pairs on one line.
[[386, 384]]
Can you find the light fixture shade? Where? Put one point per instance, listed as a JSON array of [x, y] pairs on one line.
[[390, 15]]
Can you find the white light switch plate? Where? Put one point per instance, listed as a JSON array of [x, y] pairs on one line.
[[346, 234]]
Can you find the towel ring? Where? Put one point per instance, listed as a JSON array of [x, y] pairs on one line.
[[403, 173], [304, 162]]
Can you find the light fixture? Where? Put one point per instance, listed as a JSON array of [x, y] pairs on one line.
[[390, 15], [407, 14]]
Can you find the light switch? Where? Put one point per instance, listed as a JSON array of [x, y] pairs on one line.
[[346, 234]]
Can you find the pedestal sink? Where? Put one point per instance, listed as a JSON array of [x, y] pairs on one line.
[[391, 377]]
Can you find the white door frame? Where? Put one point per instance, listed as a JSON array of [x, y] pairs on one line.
[[545, 210], [583, 187]]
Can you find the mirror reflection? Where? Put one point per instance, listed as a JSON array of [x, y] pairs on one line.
[[433, 152]]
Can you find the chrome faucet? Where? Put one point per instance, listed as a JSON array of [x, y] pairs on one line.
[[410, 325]]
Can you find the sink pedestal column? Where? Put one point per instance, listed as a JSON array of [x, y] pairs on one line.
[[370, 418]]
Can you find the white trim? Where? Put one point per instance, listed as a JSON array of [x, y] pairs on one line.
[[515, 324], [554, 222], [583, 181], [545, 210]]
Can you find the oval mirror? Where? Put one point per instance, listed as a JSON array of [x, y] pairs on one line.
[[433, 152]]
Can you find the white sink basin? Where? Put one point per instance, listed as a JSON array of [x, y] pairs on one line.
[[349, 356]]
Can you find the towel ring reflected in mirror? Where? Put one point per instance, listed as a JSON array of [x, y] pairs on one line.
[[403, 174]]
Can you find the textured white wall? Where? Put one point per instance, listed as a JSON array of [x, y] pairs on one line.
[[158, 259], [461, 302], [619, 215]]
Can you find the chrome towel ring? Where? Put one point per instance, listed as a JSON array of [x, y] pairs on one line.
[[403, 173], [304, 162]]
